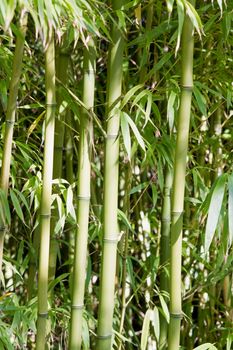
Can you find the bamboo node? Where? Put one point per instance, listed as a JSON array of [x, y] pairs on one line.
[[43, 314], [176, 315], [77, 307], [166, 220], [111, 136], [83, 198], [177, 213], [45, 215], [10, 122], [187, 87], [107, 336], [2, 228], [52, 105], [111, 240]]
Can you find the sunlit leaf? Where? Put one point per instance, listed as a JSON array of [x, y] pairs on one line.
[[145, 329], [214, 211]]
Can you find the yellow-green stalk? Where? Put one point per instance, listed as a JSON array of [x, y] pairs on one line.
[[62, 60], [165, 250], [179, 183], [45, 209], [84, 189], [10, 119], [111, 170]]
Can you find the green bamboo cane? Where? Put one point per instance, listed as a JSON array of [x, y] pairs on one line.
[[124, 248], [84, 179], [165, 249], [62, 60], [10, 120], [110, 224], [179, 183], [33, 264], [45, 210], [69, 175]]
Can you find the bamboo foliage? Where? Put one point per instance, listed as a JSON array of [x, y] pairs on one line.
[[84, 179], [79, 305], [111, 169], [179, 183], [10, 119], [45, 210]]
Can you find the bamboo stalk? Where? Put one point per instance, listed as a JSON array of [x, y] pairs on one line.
[[45, 210], [165, 249], [84, 179], [69, 175], [10, 120], [111, 170], [126, 209], [179, 183], [62, 60]]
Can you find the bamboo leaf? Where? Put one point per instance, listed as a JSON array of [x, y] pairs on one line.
[[206, 346], [124, 219], [194, 17], [16, 205], [135, 131], [201, 101], [156, 323], [230, 208], [145, 329], [23, 199], [139, 187], [148, 109], [126, 134], [130, 94], [214, 211], [170, 6], [164, 308], [69, 203], [5, 210], [170, 109], [180, 11], [35, 123]]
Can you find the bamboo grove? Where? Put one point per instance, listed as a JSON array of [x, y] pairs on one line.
[[116, 183]]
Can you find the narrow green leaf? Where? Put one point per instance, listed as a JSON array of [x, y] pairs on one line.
[[194, 17], [170, 109], [155, 322], [148, 109], [139, 97], [214, 210], [230, 208], [180, 11], [145, 329], [69, 203], [122, 217], [139, 187], [130, 94], [85, 335], [60, 278], [135, 131], [23, 199], [206, 346], [170, 6], [201, 101], [164, 308], [16, 205], [126, 134], [4, 206]]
